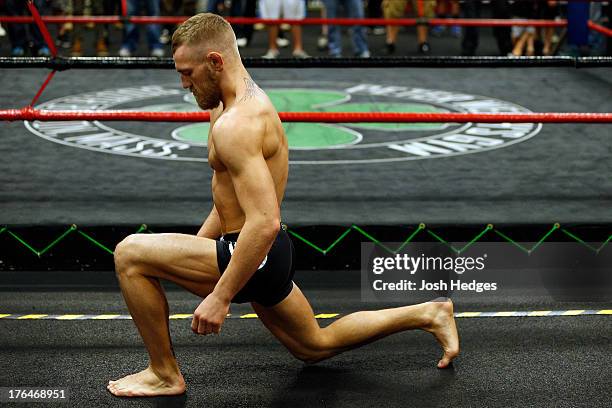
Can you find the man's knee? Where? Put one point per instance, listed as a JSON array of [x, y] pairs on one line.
[[314, 350], [128, 253], [310, 357]]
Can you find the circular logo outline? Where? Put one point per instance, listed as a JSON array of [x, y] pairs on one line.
[[116, 139]]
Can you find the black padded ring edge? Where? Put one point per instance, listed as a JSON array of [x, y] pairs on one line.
[[63, 63]]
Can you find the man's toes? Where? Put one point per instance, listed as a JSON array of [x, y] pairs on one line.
[[446, 360], [443, 363]]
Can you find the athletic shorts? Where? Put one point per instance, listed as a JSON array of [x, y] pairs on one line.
[[289, 9], [397, 8], [273, 280]]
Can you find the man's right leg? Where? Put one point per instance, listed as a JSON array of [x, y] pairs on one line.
[[140, 261], [292, 321]]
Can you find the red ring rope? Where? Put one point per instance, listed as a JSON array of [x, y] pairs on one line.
[[600, 29], [30, 114], [307, 21]]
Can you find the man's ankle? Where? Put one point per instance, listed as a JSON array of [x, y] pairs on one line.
[[168, 373]]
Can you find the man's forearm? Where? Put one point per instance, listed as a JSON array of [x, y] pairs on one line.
[[254, 243], [211, 228]]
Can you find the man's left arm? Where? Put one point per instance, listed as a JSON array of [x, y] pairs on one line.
[[256, 195], [240, 150]]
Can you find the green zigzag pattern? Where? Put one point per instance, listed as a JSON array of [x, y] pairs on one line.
[[421, 228]]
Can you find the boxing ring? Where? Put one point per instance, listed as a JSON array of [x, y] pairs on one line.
[[471, 149]]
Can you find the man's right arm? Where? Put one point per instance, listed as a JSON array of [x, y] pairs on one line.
[[211, 228]]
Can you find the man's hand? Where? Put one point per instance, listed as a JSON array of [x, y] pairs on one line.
[[210, 315]]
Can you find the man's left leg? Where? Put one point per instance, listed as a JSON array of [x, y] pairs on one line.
[[292, 321]]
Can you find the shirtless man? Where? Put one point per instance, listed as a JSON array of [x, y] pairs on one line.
[[240, 254]]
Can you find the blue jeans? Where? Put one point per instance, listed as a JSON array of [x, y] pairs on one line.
[[353, 9], [131, 31], [213, 6]]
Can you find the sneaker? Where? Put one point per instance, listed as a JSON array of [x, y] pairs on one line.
[[18, 52], [282, 42], [379, 30], [437, 31], [124, 52], [2, 32], [101, 48], [242, 42], [164, 38], [455, 31], [301, 54], [365, 54], [271, 54], [44, 52], [157, 52], [77, 49], [322, 43], [424, 48]]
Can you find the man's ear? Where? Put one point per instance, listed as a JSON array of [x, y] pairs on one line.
[[215, 60]]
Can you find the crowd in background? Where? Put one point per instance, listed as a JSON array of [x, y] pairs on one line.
[[26, 39]]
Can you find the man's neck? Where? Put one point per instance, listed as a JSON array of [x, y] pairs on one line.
[[234, 86]]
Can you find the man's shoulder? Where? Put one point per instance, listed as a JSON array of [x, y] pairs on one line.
[[237, 119], [238, 129]]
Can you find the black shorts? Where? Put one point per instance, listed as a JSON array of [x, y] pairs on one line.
[[272, 282]]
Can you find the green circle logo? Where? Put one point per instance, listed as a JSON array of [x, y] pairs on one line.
[[310, 143]]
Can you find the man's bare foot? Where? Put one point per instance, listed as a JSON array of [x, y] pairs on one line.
[[443, 328], [146, 384]]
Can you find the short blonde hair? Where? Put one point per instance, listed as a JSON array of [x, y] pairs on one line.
[[205, 28]]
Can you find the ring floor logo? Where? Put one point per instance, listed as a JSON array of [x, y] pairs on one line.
[[310, 143]]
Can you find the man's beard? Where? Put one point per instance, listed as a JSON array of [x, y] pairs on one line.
[[211, 96]]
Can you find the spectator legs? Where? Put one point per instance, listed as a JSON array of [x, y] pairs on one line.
[[131, 32], [469, 44], [354, 9], [501, 9], [334, 35]]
